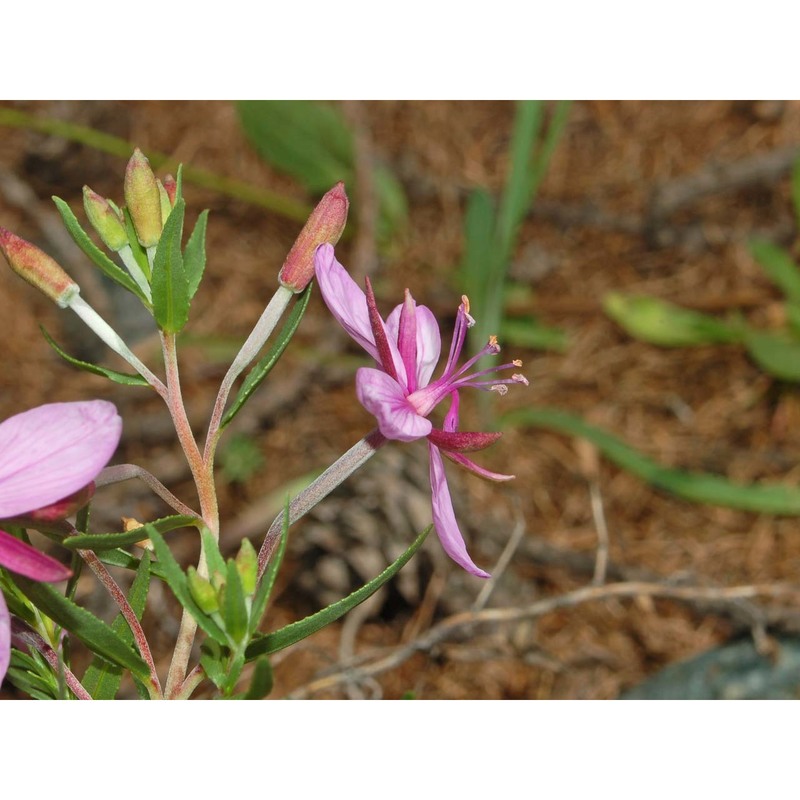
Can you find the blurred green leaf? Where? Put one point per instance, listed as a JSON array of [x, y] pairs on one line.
[[110, 541], [241, 458], [98, 257], [529, 332], [169, 284], [479, 247], [666, 324], [234, 609], [126, 378], [697, 487], [779, 266], [262, 680], [777, 353], [796, 190], [272, 642], [214, 559]]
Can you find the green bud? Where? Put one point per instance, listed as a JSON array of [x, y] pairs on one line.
[[143, 199], [104, 220], [203, 593], [247, 567], [36, 267], [324, 226]]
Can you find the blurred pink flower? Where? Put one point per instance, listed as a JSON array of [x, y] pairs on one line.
[[399, 392], [47, 455]]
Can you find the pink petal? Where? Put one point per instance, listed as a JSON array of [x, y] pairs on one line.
[[52, 451], [5, 637], [429, 341], [444, 518], [23, 559], [386, 399], [462, 441], [344, 298]]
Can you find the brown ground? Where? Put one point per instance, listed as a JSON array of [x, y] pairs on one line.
[[597, 228]]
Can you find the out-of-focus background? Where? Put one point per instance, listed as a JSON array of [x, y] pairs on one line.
[[639, 258]]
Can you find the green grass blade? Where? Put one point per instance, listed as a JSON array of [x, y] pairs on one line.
[[697, 487], [110, 541]]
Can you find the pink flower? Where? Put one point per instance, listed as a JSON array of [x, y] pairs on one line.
[[47, 455], [399, 392]]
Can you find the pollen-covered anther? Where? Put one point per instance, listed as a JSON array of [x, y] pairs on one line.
[[493, 342], [465, 303], [500, 388], [517, 378], [517, 362]]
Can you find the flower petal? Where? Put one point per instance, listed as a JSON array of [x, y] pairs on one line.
[[385, 398], [5, 637], [462, 441], [52, 451], [344, 298], [475, 469], [444, 518], [28, 561], [429, 341]]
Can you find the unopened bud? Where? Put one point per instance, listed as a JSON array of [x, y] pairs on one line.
[[143, 199], [324, 226], [203, 593], [247, 566], [171, 187], [36, 267], [104, 220]]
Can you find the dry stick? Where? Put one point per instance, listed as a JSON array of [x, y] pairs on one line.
[[465, 622], [601, 561], [31, 639], [103, 575], [502, 563]]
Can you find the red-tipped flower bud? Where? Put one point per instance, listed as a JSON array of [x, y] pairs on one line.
[[325, 225], [171, 188], [104, 220], [36, 267], [143, 199]]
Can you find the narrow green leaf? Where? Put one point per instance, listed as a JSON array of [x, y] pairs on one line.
[[776, 353], [110, 541], [125, 378], [84, 241], [666, 324], [264, 590], [125, 560], [176, 580], [92, 631], [211, 656], [102, 679], [234, 610], [296, 631], [169, 284], [194, 255], [796, 189], [779, 266], [697, 487], [262, 368], [480, 252], [262, 680]]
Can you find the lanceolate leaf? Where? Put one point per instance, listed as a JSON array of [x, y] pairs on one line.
[[293, 633], [99, 637], [779, 266], [84, 241], [126, 378], [777, 353], [698, 487], [194, 256], [176, 578], [109, 541], [262, 369], [264, 589], [169, 284], [102, 679]]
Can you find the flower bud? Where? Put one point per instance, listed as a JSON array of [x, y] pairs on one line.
[[166, 205], [64, 508], [143, 199], [36, 267], [247, 566], [203, 593], [171, 187], [325, 225], [104, 220]]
